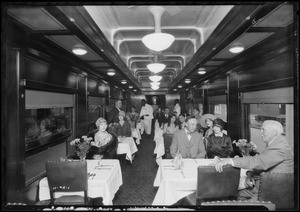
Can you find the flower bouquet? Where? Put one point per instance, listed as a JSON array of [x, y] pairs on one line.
[[245, 147], [82, 146]]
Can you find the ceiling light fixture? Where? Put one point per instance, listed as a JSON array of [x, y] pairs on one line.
[[123, 81], [236, 48], [154, 83], [156, 67], [201, 71], [157, 41], [130, 86], [187, 80], [155, 87], [174, 89], [79, 50], [111, 72], [134, 90], [155, 78], [179, 86]]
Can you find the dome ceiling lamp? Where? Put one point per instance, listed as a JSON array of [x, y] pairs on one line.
[[157, 41], [156, 67], [155, 78], [111, 72], [154, 83], [236, 48], [187, 81], [155, 87], [201, 71], [79, 50], [123, 81]]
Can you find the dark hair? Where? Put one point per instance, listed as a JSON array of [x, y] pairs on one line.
[[175, 122]]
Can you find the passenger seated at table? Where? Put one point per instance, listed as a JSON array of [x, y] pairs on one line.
[[182, 121], [171, 127], [206, 123], [105, 144], [134, 131], [123, 128], [188, 142], [218, 143], [277, 157]]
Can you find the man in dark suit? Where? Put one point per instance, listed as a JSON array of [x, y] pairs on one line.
[[113, 116], [188, 141]]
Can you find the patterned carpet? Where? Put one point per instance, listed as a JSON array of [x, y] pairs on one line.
[[138, 177]]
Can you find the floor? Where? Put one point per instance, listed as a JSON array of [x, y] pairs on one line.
[[138, 177]]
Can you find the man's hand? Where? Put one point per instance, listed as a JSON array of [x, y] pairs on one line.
[[219, 165]]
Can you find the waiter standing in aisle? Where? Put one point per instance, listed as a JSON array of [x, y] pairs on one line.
[[146, 116]]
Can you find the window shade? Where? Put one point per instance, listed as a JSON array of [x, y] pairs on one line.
[[278, 95], [44, 99]]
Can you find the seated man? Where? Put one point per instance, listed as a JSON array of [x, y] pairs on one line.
[[188, 142], [277, 157]]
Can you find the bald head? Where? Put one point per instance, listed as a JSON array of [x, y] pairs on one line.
[[270, 129]]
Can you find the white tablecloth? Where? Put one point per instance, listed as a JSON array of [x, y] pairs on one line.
[[127, 146], [136, 134], [176, 184], [104, 184]]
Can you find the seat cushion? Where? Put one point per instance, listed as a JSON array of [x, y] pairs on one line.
[[69, 200]]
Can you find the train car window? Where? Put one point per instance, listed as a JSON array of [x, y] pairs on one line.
[[282, 113], [46, 125], [220, 111]]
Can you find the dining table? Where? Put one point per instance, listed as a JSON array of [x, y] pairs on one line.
[[127, 146], [104, 180], [174, 184]]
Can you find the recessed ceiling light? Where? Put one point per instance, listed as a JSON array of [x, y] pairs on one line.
[[79, 50], [201, 71], [187, 80], [236, 48], [111, 72]]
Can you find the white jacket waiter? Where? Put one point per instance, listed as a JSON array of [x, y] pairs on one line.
[[146, 116]]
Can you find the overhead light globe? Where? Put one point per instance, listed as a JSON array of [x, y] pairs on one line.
[[155, 78], [156, 67], [158, 41], [134, 90], [187, 80], [155, 87], [79, 50], [154, 83], [174, 89], [179, 86], [111, 72], [123, 81], [130, 86], [236, 48]]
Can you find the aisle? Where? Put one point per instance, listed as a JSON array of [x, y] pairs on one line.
[[138, 178]]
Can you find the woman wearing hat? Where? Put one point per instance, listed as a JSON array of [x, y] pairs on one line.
[[218, 143], [105, 146], [123, 128], [206, 122]]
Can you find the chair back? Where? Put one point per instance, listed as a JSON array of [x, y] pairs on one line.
[[277, 188], [168, 138], [212, 185], [67, 176]]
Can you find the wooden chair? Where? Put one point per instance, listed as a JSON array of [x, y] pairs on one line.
[[69, 176], [217, 190], [277, 188], [168, 138]]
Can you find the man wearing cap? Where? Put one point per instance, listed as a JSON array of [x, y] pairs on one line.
[[114, 113], [188, 141], [277, 157], [146, 116]]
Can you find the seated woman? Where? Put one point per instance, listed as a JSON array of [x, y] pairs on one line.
[[123, 128], [218, 143], [135, 132], [171, 127], [105, 144], [206, 122], [45, 128], [182, 121]]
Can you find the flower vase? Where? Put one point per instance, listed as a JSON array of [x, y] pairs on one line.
[[82, 157]]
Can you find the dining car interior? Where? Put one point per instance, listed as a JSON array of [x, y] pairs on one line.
[[150, 105]]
